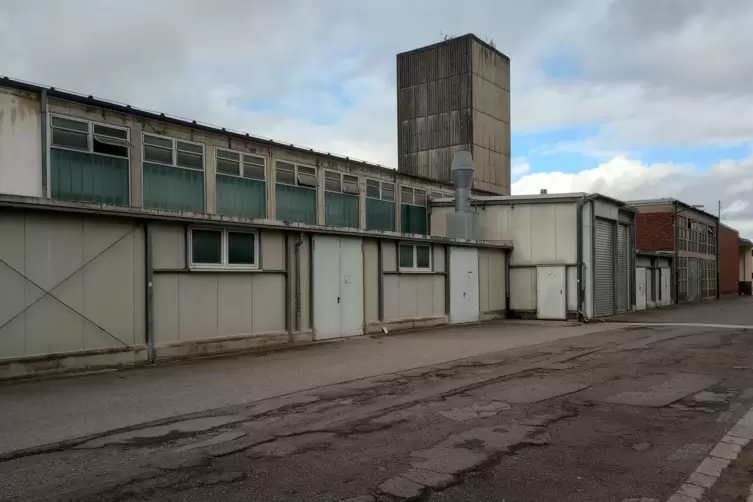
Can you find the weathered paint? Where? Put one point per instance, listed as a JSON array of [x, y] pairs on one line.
[[20, 137]]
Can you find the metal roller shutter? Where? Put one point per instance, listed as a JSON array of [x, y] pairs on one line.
[[604, 268], [623, 281]]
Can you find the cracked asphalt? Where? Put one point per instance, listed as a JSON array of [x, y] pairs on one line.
[[624, 414]]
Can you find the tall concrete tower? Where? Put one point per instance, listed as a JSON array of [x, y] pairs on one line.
[[455, 96]]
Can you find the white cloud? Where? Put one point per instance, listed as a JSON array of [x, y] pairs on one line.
[[519, 167]]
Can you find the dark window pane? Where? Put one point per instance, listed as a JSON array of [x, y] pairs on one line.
[[420, 199], [332, 185], [388, 194], [70, 124], [189, 147], [253, 171], [255, 160], [190, 160], [206, 247], [157, 154], [423, 256], [407, 195], [286, 177], [70, 139], [228, 167], [306, 180], [224, 154], [102, 145], [241, 248], [111, 132], [372, 191], [285, 166], [310, 171], [154, 140], [406, 256]]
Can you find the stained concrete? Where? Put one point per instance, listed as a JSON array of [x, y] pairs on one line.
[[530, 390], [665, 393]]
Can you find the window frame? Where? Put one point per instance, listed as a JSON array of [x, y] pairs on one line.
[[90, 136], [242, 156], [224, 251], [174, 151], [415, 268], [413, 197], [341, 175], [381, 190], [296, 165], [443, 195]]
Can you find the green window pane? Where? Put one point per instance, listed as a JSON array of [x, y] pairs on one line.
[[341, 210], [406, 256], [295, 204], [241, 248], [168, 187], [423, 256], [244, 198], [380, 215], [206, 247], [413, 219], [85, 177]]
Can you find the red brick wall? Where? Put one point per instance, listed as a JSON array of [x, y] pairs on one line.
[[655, 232], [729, 260]]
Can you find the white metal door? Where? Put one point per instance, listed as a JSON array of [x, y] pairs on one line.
[[351, 287], [338, 287], [551, 301], [666, 291], [640, 288], [464, 304]]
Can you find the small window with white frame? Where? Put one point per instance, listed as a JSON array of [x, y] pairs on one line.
[[243, 165], [414, 257], [289, 173], [413, 196], [173, 152], [212, 248], [380, 190], [338, 182], [93, 137]]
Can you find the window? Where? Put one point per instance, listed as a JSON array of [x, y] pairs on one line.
[[288, 173], [89, 137], [223, 249], [434, 195], [341, 199], [413, 196], [380, 205], [89, 161], [415, 257], [295, 192], [244, 165], [380, 190], [414, 216], [173, 152]]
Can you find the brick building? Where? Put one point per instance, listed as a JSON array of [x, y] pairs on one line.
[[729, 263], [690, 236]]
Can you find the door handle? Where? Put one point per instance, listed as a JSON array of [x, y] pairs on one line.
[[338, 299]]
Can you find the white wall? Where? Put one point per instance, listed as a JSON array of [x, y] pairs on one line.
[[20, 144], [588, 258], [746, 265]]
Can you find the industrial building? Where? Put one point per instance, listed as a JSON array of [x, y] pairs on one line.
[[653, 279], [746, 267], [691, 236], [573, 254], [729, 269], [455, 96]]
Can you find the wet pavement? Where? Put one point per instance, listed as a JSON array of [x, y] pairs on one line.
[[628, 413]]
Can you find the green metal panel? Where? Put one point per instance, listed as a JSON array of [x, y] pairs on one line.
[[413, 219], [341, 210], [82, 176], [296, 204], [380, 215], [168, 187], [241, 197]]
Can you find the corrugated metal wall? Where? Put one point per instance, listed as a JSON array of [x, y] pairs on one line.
[[604, 268], [623, 279]]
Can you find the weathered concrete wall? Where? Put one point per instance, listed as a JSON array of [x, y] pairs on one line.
[[20, 143]]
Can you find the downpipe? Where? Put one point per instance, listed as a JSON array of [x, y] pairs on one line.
[[298, 244]]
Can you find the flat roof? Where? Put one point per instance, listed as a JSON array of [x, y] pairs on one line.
[[670, 200], [545, 197], [44, 204], [452, 39]]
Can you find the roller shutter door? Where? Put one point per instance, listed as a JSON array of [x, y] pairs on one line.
[[604, 268], [623, 281]]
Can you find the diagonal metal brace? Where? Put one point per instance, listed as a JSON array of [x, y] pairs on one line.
[[49, 292]]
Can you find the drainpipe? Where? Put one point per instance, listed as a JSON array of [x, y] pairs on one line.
[[579, 273], [508, 255], [149, 296], [43, 113], [718, 244], [298, 244], [675, 295]]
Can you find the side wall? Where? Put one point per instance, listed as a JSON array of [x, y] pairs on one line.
[[729, 270], [69, 283], [655, 231], [20, 143]]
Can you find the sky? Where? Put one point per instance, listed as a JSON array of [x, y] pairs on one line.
[[634, 99]]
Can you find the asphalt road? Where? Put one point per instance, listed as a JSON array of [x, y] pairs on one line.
[[625, 413]]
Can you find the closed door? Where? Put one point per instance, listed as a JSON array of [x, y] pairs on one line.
[[694, 280], [464, 304], [603, 268], [666, 291], [640, 288], [338, 287], [623, 275], [551, 301]]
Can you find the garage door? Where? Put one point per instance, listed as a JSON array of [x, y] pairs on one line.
[[604, 268], [623, 279]]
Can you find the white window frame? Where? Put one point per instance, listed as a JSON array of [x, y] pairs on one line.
[[413, 196], [415, 267], [242, 157], [395, 194], [174, 152], [90, 147], [223, 251], [341, 175], [442, 195], [296, 165]]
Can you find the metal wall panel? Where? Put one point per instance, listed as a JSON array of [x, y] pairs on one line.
[[604, 273], [623, 259]]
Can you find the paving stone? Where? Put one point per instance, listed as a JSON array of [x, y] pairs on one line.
[[741, 431], [735, 440], [725, 450], [702, 480], [693, 491], [529, 390], [429, 478], [401, 487], [712, 466], [665, 393]]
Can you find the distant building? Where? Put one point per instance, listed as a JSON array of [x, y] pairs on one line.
[[453, 96]]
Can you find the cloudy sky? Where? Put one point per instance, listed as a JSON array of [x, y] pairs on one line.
[[631, 98]]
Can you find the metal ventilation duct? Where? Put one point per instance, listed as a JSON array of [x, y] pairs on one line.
[[461, 223]]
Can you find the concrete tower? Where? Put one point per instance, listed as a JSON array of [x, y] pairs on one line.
[[455, 96]]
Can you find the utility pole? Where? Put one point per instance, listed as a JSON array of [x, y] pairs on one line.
[[718, 242]]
